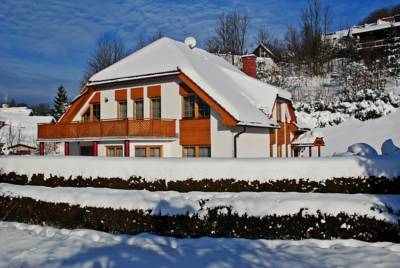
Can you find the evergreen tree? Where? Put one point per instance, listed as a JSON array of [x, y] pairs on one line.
[[60, 102]]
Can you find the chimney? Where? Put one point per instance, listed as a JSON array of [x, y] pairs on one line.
[[249, 63]]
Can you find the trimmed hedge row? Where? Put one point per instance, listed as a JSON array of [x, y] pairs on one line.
[[372, 185], [298, 226]]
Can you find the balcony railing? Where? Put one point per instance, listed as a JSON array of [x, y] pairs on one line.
[[108, 128]]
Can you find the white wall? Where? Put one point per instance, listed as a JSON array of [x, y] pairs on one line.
[[221, 137], [253, 143], [169, 148]]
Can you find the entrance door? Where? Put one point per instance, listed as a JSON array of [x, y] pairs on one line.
[[86, 150]]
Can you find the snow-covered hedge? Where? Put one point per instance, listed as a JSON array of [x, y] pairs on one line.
[[225, 216], [351, 174]]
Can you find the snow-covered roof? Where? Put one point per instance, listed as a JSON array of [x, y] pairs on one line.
[[308, 138], [264, 47], [16, 111], [247, 99], [374, 27]]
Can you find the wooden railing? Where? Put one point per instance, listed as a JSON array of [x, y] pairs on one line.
[[108, 128]]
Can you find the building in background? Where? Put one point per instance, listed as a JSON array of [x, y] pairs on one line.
[[372, 39], [18, 130]]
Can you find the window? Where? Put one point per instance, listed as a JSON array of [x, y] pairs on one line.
[[194, 107], [86, 115], [122, 110], [140, 151], [96, 112], [189, 151], [197, 151], [155, 152], [92, 113], [148, 151], [155, 108], [188, 106], [114, 151], [204, 109], [204, 151], [138, 109]]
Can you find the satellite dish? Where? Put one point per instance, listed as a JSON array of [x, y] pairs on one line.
[[190, 42]]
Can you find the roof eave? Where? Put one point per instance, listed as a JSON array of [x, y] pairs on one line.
[[132, 78]]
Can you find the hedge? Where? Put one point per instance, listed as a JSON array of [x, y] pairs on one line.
[[372, 185], [215, 224]]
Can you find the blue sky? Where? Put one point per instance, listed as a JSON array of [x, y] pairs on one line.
[[45, 43]]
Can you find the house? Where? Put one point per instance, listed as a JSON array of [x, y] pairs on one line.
[[18, 126], [171, 99], [262, 51], [373, 38], [22, 149]]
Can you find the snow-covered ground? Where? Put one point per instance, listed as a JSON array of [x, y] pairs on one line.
[[172, 169], [373, 132], [35, 246], [174, 203]]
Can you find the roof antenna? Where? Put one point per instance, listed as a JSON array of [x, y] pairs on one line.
[[190, 42]]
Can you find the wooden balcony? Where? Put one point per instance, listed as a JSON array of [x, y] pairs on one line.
[[108, 128]]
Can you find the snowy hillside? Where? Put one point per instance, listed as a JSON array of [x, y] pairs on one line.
[[373, 132]]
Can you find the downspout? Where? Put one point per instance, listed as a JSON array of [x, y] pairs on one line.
[[235, 141]]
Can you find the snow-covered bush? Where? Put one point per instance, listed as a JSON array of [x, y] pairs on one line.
[[364, 105], [359, 149]]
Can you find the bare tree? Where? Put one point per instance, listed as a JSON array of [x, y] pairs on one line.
[[108, 51], [314, 23], [292, 44], [142, 41], [230, 34], [263, 37]]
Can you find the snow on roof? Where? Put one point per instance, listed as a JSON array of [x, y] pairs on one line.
[[245, 98], [373, 27], [16, 110], [264, 47], [18, 122], [307, 138]]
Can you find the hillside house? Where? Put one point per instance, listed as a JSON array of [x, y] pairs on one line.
[[372, 39], [170, 99]]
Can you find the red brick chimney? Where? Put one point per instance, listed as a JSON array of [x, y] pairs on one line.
[[250, 65]]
